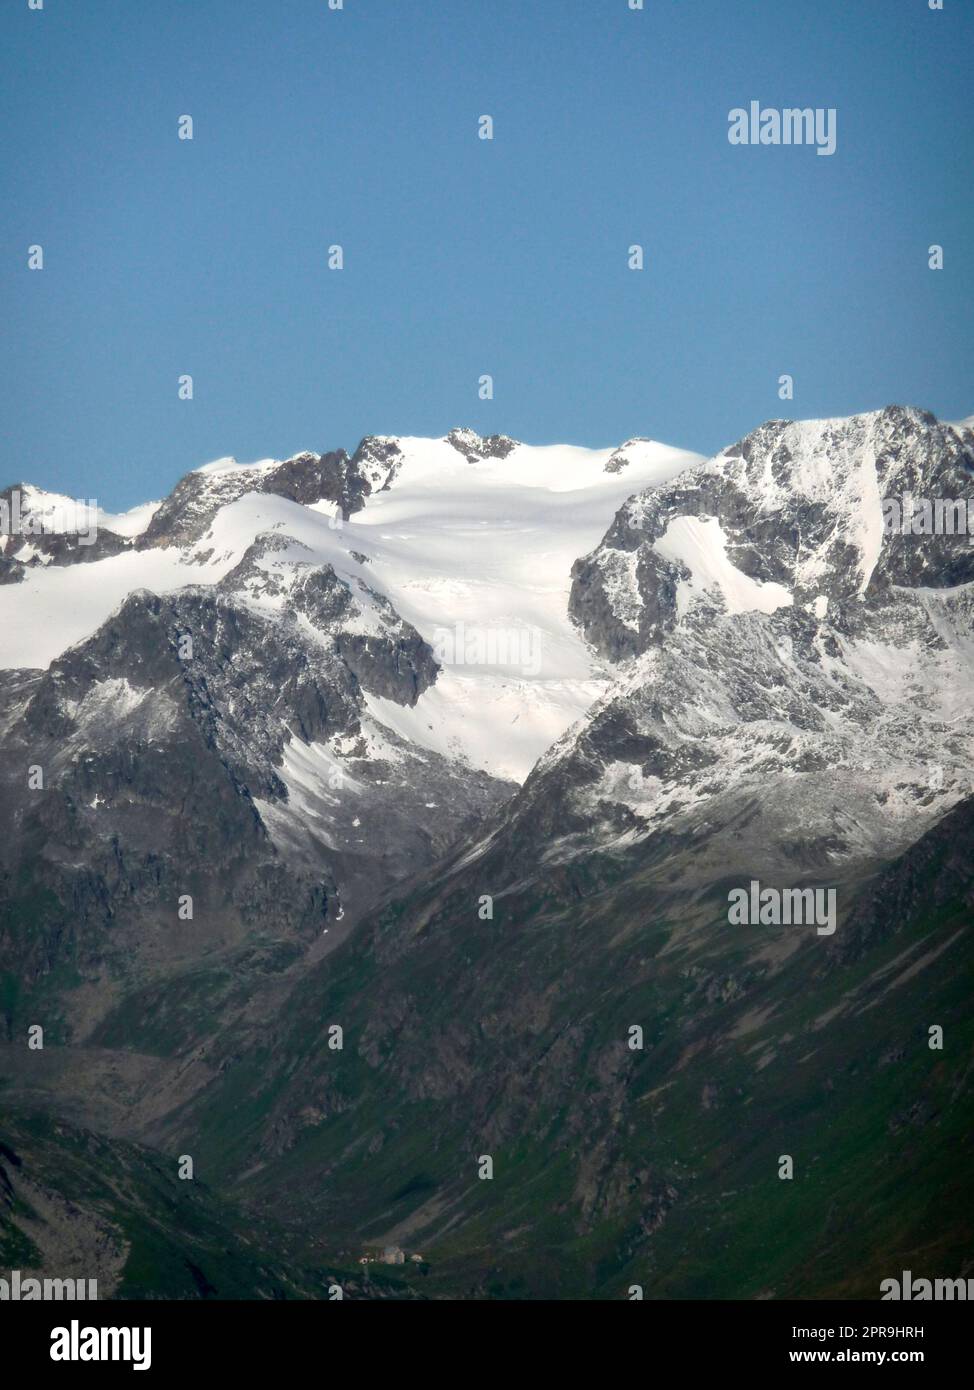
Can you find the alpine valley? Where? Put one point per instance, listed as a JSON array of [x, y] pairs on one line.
[[364, 818]]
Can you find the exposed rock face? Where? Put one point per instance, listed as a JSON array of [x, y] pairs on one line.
[[165, 747], [474, 448], [374, 466], [31, 538], [777, 742], [791, 696], [187, 512], [387, 655], [798, 505], [151, 762], [625, 600]]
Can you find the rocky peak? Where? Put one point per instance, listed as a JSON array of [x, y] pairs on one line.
[[475, 448], [375, 464], [384, 652], [41, 528], [186, 514], [792, 513], [621, 457]]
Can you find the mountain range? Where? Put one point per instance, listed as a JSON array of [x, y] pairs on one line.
[[367, 829]]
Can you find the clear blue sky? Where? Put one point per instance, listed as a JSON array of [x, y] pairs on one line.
[[464, 256]]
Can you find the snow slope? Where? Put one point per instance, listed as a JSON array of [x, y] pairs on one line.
[[699, 544], [476, 555], [58, 512], [478, 558]]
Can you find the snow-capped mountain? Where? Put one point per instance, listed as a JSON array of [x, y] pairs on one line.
[[471, 541], [737, 627], [792, 514], [343, 701], [789, 704], [292, 683], [792, 675]]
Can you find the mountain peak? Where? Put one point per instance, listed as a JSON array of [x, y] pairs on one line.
[[475, 447], [791, 513]]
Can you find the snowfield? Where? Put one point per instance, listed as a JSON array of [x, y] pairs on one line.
[[477, 556]]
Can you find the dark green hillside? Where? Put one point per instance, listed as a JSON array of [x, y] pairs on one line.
[[659, 1167]]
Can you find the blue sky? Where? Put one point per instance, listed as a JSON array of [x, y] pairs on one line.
[[464, 256]]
